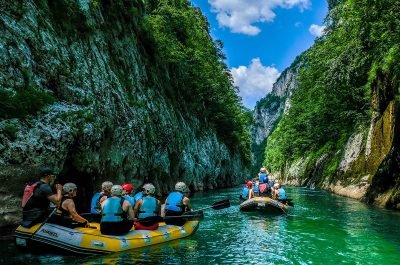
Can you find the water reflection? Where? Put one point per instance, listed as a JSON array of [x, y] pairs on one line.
[[321, 229]]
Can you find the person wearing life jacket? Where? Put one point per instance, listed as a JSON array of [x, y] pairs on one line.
[[37, 197], [98, 198], [262, 175], [127, 190], [147, 207], [256, 188], [279, 192], [176, 204], [117, 214], [271, 183], [66, 214], [138, 195], [247, 192]]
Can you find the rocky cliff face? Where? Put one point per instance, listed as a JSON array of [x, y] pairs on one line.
[[268, 111], [108, 122], [367, 167]]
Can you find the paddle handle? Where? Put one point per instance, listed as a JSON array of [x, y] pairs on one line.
[[45, 221], [216, 206], [208, 207]]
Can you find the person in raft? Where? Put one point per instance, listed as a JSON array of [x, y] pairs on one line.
[[256, 188], [37, 197], [262, 175], [146, 207], [247, 192], [127, 190], [278, 192], [66, 214], [115, 213], [98, 198], [138, 195], [176, 204]]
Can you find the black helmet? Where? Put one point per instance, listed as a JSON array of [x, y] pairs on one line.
[[45, 171]]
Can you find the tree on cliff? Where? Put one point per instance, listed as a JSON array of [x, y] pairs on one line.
[[360, 45], [195, 65]]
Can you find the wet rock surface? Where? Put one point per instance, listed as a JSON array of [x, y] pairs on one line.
[[108, 121]]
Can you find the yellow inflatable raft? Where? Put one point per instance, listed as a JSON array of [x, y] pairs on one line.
[[263, 204], [91, 241]]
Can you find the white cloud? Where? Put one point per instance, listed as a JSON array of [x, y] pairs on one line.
[[298, 24], [254, 81], [239, 15], [316, 30]]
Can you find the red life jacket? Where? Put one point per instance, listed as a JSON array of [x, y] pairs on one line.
[[263, 187], [28, 192]]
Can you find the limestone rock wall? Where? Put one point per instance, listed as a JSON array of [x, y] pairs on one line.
[[268, 111], [109, 122], [368, 166]]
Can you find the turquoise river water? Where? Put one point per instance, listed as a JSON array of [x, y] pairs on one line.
[[321, 229]]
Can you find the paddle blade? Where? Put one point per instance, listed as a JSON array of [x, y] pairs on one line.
[[287, 201], [197, 215], [221, 204]]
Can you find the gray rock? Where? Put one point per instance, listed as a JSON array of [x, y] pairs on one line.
[[107, 123]]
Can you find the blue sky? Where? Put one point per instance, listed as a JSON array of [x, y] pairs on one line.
[[262, 37]]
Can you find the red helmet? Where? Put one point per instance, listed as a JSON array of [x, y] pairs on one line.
[[127, 187], [249, 184]]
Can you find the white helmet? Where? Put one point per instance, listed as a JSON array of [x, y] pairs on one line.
[[116, 190], [69, 187], [181, 186], [149, 189], [106, 185]]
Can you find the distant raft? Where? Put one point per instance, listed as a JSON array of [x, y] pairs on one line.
[[264, 204], [91, 241]]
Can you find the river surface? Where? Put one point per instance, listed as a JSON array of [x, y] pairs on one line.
[[322, 228]]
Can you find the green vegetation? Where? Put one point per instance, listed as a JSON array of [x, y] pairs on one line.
[[20, 103], [10, 130], [359, 54], [271, 102], [196, 74]]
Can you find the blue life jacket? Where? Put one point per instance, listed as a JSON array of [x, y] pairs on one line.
[[112, 210], [95, 207], [130, 199], [271, 183], [256, 190], [138, 196], [245, 193], [148, 207], [263, 178], [282, 194], [175, 202]]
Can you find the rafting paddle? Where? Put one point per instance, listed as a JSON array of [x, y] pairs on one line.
[[45, 221], [191, 215], [287, 201], [187, 216], [219, 205]]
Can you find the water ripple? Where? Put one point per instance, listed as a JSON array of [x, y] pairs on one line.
[[321, 229]]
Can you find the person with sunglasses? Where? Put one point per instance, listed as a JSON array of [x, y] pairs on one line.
[[37, 197]]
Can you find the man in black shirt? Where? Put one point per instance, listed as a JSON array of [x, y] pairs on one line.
[[36, 201]]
